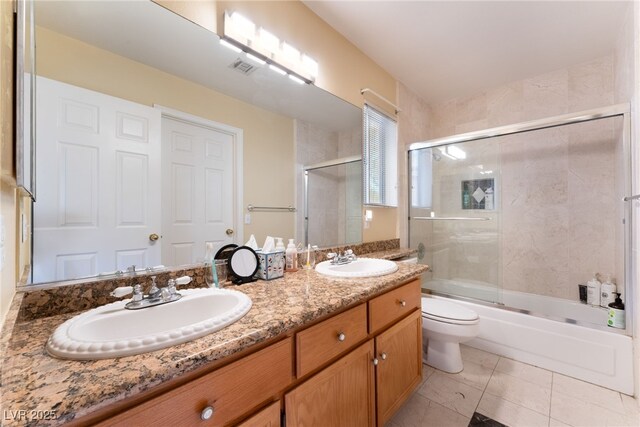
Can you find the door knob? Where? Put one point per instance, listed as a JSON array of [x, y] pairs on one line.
[[153, 237], [229, 231]]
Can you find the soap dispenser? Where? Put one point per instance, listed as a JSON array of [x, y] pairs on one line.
[[279, 245], [616, 313]]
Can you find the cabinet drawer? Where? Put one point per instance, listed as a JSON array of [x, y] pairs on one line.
[[231, 391], [322, 342], [387, 308]]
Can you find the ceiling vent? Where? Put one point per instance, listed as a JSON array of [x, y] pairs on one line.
[[243, 67]]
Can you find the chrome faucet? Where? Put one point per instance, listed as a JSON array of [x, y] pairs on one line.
[[344, 258], [156, 295]]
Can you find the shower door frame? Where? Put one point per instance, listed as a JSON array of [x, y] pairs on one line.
[[619, 110]]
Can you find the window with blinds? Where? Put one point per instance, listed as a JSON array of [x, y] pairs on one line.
[[379, 158]]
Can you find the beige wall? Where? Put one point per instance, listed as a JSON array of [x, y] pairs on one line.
[[8, 192], [14, 205], [202, 12], [268, 137]]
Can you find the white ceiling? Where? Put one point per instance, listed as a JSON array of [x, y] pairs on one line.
[[447, 49]]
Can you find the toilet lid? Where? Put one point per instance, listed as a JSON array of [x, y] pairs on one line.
[[447, 311]]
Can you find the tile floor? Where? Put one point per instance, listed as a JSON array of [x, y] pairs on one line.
[[514, 394]]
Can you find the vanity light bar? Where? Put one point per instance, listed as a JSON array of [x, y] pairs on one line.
[[265, 48], [255, 59], [226, 44]]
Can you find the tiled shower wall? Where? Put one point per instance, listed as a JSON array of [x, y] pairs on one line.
[[557, 188], [316, 144]]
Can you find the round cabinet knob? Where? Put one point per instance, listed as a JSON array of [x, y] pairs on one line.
[[229, 231], [383, 356], [341, 336], [375, 361], [206, 413], [402, 302], [153, 237]]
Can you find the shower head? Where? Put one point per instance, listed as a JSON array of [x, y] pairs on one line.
[[436, 157]]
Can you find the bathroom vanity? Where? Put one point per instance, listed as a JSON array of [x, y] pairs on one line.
[[313, 350], [352, 368]]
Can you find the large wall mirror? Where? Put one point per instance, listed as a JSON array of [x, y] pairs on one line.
[[152, 139]]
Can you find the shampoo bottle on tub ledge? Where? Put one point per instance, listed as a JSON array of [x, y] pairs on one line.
[[593, 290]]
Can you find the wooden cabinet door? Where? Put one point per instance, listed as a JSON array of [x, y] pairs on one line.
[[340, 395], [399, 370], [268, 417]]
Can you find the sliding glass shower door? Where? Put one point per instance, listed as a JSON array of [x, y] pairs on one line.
[[525, 218], [455, 218]]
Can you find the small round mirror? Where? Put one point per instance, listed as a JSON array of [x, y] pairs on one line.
[[243, 262]]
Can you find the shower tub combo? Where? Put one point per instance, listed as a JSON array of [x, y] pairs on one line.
[[512, 219], [551, 333]]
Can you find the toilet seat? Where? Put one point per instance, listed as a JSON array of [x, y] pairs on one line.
[[448, 312]]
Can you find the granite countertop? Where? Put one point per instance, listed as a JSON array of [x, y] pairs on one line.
[[34, 381]]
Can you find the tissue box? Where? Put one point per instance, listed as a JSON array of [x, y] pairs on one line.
[[271, 265]]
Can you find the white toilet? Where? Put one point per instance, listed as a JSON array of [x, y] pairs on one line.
[[444, 326]]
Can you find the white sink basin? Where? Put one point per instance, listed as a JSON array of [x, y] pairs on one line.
[[112, 331], [362, 267]]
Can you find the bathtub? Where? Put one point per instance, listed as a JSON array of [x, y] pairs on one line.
[[579, 346]]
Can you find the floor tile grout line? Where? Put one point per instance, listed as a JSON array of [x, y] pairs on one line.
[[487, 385], [602, 406], [551, 396], [518, 404]]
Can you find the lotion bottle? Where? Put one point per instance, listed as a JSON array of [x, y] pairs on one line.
[[593, 290], [607, 292], [488, 199], [291, 255]]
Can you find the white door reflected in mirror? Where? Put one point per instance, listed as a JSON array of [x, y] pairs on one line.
[[102, 199]]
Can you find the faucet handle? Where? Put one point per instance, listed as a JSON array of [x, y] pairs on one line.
[[121, 291], [331, 255], [348, 252], [184, 280], [154, 287]]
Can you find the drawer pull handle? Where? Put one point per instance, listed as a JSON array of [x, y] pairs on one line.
[[402, 303], [206, 413], [383, 356], [375, 361], [341, 336]]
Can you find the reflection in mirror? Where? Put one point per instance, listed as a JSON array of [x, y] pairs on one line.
[[329, 184], [153, 139], [25, 78]]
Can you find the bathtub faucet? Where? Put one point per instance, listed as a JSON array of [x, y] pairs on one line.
[[345, 258]]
